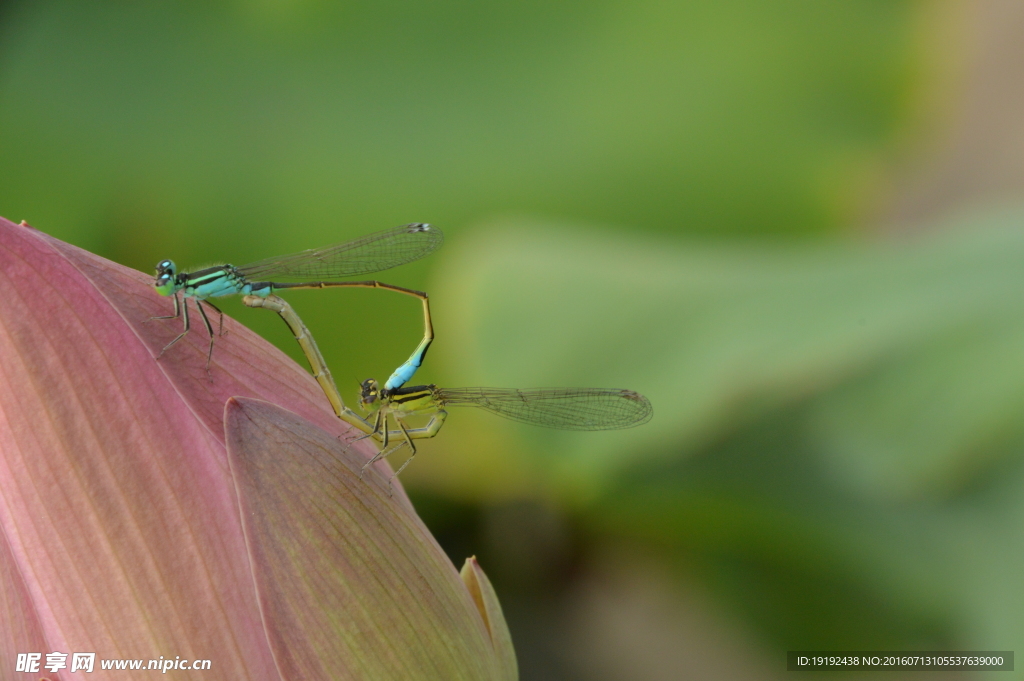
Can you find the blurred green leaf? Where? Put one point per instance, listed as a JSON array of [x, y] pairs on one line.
[[836, 435], [915, 341]]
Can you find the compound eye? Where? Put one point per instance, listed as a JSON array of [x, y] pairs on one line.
[[368, 392], [165, 284]]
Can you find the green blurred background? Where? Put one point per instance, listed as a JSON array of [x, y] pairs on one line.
[[791, 225]]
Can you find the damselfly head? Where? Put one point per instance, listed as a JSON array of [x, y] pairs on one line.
[[166, 274], [369, 394]]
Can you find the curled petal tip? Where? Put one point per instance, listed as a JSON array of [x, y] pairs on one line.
[[486, 601]]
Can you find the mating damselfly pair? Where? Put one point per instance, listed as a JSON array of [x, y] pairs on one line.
[[566, 408]]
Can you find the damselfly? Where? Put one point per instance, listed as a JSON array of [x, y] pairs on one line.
[[566, 408], [372, 253]]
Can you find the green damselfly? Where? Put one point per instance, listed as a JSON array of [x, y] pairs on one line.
[[371, 253], [565, 408]]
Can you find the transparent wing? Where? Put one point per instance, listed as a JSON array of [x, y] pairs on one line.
[[371, 253], [568, 408]]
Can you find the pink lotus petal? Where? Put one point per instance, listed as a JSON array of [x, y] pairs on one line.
[[116, 508], [119, 518], [119, 524], [352, 585], [20, 629]]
